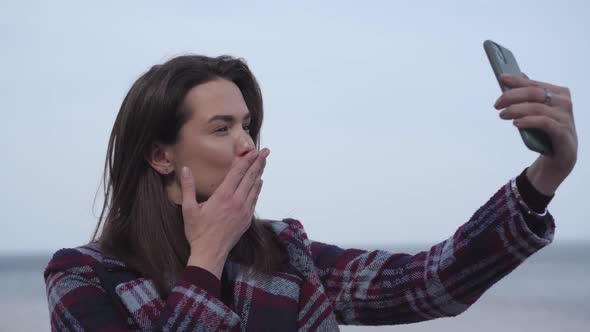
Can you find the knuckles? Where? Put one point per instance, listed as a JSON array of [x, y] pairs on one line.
[[536, 93], [225, 196], [237, 203]]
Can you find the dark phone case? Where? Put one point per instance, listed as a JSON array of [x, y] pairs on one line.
[[503, 61]]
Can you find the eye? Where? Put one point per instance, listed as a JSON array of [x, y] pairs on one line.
[[221, 129], [247, 128]]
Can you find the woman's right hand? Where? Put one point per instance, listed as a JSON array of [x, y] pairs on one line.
[[212, 228]]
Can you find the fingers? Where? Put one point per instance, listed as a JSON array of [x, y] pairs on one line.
[[534, 94], [548, 125], [515, 81], [237, 172], [253, 174], [517, 111], [253, 195], [187, 185]]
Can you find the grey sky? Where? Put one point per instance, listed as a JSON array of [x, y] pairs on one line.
[[379, 115]]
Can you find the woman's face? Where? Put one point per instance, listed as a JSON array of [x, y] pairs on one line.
[[215, 135]]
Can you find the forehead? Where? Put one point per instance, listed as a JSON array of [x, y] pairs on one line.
[[217, 97]]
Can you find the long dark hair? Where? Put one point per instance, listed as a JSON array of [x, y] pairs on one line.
[[140, 225]]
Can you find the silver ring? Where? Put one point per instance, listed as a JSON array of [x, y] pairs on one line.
[[548, 97]]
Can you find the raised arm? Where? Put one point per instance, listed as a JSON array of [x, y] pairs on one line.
[[382, 288]]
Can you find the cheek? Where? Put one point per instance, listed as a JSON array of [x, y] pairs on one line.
[[210, 163], [216, 153]]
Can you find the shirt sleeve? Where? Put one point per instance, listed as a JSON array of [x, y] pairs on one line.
[[78, 302], [536, 200], [202, 278], [382, 288]]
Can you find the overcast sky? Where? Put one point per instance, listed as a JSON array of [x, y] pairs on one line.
[[378, 113]]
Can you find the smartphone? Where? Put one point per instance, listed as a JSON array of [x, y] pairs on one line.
[[503, 61]]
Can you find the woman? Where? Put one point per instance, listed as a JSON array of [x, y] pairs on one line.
[[181, 250]]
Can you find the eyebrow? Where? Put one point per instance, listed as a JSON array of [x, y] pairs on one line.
[[228, 118]]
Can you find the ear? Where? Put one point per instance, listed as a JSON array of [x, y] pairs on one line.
[[160, 157]]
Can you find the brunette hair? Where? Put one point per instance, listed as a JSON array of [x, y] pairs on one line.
[[140, 225]]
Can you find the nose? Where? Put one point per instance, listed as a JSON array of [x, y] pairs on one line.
[[244, 144]]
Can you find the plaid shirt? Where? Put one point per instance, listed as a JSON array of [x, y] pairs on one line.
[[320, 287]]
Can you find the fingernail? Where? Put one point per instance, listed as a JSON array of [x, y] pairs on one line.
[[497, 101], [184, 171], [264, 152]]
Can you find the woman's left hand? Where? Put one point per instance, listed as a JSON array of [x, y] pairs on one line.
[[527, 103]]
